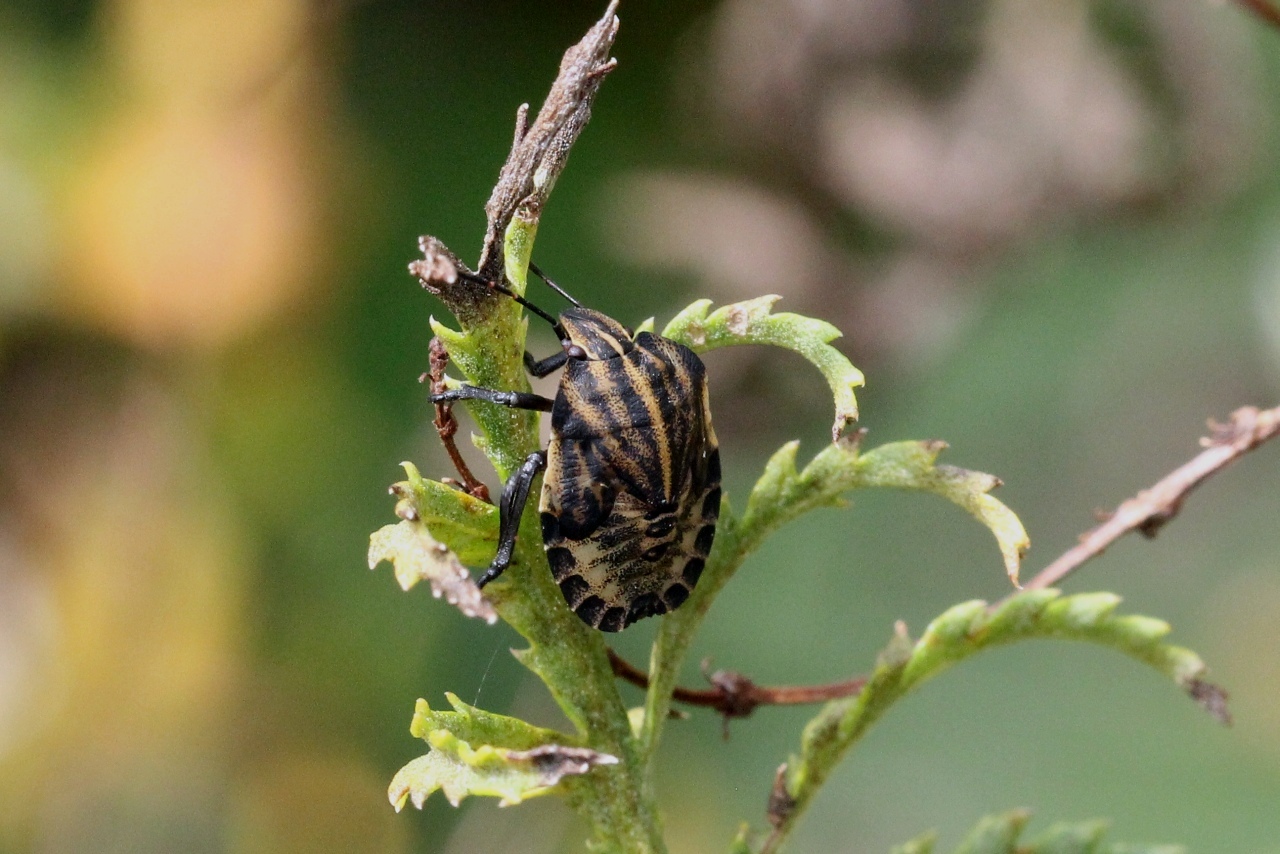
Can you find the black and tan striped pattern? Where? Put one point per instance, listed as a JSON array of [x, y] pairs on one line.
[[632, 487]]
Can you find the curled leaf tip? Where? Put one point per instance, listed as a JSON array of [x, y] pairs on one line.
[[852, 440], [417, 556], [437, 266], [913, 465], [966, 629], [1212, 698], [753, 322], [781, 804]]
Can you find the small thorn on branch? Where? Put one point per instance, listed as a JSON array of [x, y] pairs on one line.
[[734, 695], [1211, 698]]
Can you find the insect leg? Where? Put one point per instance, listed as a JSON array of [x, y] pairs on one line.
[[510, 507], [514, 399], [542, 367]]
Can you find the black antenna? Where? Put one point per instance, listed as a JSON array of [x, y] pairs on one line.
[[503, 289], [561, 291]]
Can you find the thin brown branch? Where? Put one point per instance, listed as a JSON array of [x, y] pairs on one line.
[[1152, 508], [1263, 10], [539, 151], [447, 426], [734, 695], [538, 154]]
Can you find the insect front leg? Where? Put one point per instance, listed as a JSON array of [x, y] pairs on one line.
[[510, 508], [514, 399], [541, 367]]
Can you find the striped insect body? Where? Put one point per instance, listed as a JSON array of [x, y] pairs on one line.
[[631, 491]]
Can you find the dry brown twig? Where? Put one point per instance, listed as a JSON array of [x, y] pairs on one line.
[[447, 426], [1151, 509], [736, 696], [538, 155], [539, 150]]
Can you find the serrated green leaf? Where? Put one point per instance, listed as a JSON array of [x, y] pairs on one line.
[[752, 322], [922, 844], [964, 630], [417, 557], [461, 769], [475, 752], [782, 494], [995, 834], [999, 834], [1083, 837], [479, 726], [464, 523], [912, 465]]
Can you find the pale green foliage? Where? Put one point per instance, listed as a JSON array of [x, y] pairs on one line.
[[999, 834], [604, 765], [781, 494], [752, 322], [418, 556], [464, 523], [840, 468], [478, 753], [962, 631]]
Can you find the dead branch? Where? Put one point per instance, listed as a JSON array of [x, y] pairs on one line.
[[446, 425], [1151, 509], [538, 155]]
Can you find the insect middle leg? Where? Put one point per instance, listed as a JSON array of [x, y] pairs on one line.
[[510, 508], [516, 492]]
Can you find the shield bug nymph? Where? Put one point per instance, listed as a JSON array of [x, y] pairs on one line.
[[632, 487]]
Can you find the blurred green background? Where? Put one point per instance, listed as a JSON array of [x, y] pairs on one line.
[[1049, 229]]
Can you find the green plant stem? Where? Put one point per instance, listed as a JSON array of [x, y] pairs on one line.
[[735, 539], [568, 656]]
